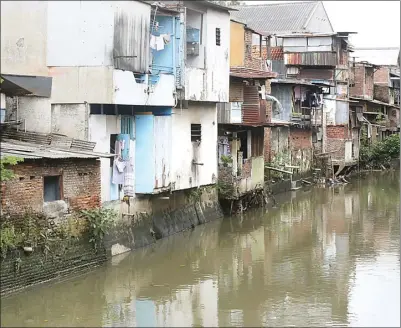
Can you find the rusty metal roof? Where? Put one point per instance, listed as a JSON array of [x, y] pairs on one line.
[[249, 73], [277, 17]]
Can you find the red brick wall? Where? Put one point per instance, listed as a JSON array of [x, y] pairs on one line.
[[363, 81], [276, 52], [337, 132], [252, 59], [382, 93], [300, 139], [80, 184], [381, 76]]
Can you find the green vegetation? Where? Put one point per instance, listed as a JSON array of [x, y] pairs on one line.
[[226, 160], [5, 173], [380, 153], [100, 220]]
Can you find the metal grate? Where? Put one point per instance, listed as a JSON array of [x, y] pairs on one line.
[[196, 132]]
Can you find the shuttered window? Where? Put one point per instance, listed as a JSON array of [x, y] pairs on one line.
[[218, 43], [196, 132]]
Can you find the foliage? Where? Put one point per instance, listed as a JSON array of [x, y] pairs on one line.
[[226, 159], [100, 221], [381, 152], [225, 190], [278, 162], [5, 173], [194, 195], [9, 239]]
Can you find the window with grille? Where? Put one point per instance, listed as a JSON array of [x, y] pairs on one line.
[[196, 132], [218, 43]]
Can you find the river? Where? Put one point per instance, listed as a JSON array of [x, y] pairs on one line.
[[323, 257]]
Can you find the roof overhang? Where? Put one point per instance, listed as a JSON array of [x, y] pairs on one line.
[[248, 73], [22, 85]]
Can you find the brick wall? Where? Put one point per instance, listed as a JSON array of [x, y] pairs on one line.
[[236, 90], [269, 103], [369, 84], [381, 76], [276, 52], [337, 132], [300, 139], [252, 59], [382, 93], [358, 74], [80, 184]]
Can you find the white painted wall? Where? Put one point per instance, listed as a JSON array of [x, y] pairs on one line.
[[128, 92], [100, 128], [211, 83], [183, 149], [23, 37], [319, 22]]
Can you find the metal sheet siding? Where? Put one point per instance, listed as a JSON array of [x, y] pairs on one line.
[[251, 105], [311, 59], [284, 95], [316, 74], [131, 36], [162, 139]]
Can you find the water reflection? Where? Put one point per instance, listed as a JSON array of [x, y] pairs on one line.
[[326, 257]]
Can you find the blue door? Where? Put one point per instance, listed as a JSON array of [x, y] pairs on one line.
[[144, 154]]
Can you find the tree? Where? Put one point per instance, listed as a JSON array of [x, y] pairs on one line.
[[5, 173]]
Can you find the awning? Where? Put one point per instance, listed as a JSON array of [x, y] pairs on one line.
[[22, 85]]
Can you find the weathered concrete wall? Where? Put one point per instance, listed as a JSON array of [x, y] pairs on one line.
[[79, 188], [24, 37], [211, 83], [70, 120]]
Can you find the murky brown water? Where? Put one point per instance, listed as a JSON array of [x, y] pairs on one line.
[[327, 257]]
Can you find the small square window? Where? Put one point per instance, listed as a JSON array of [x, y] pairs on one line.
[[218, 36], [196, 132], [52, 188]]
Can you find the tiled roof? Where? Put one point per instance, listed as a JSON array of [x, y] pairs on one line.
[[277, 17], [248, 73]]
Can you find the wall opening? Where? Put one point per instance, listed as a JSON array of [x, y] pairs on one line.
[[218, 40], [196, 132], [243, 137], [52, 188]]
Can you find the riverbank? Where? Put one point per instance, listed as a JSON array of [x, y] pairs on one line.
[[319, 254], [64, 251]]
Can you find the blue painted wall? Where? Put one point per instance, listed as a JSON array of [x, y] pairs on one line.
[[144, 154], [164, 60]]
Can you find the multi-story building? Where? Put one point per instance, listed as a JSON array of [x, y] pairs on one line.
[[242, 120], [141, 79]]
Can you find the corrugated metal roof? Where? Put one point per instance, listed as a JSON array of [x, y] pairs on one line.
[[248, 73], [27, 150], [278, 17], [378, 56]]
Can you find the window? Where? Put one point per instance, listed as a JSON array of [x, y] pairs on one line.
[[218, 36], [196, 132], [52, 188]]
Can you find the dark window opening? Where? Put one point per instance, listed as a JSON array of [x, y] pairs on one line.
[[95, 109], [218, 43], [113, 138], [109, 109], [52, 188], [243, 136], [196, 132]]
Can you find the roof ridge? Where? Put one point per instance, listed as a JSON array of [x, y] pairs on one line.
[[275, 4]]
